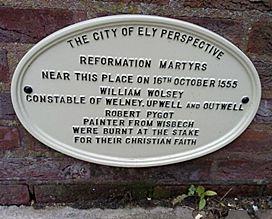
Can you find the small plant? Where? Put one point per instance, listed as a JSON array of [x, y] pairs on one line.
[[198, 191]]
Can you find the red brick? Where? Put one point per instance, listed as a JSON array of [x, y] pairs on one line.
[[67, 4], [265, 5], [264, 70], [4, 69], [264, 113], [260, 39], [243, 171], [9, 138], [6, 108], [43, 169], [16, 51], [30, 26], [14, 195], [228, 28], [195, 170], [251, 143], [35, 148]]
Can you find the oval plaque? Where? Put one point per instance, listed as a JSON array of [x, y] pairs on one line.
[[135, 91]]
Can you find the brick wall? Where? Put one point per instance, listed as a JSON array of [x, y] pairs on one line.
[[30, 171]]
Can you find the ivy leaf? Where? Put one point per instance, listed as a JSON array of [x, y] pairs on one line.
[[210, 193], [201, 204]]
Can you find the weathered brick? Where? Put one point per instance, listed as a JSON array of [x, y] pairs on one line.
[[16, 52], [236, 190], [160, 2], [34, 148], [101, 8], [9, 138], [264, 70], [14, 195], [6, 108], [91, 195], [4, 69], [86, 195], [36, 23], [263, 5], [67, 4], [195, 170], [228, 28], [246, 171], [251, 143], [264, 113], [43, 169], [260, 39]]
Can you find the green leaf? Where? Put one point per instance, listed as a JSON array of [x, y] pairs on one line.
[[201, 204], [200, 190], [179, 199], [210, 193], [191, 190]]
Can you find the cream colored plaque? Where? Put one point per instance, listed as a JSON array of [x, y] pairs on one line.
[[135, 91]]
